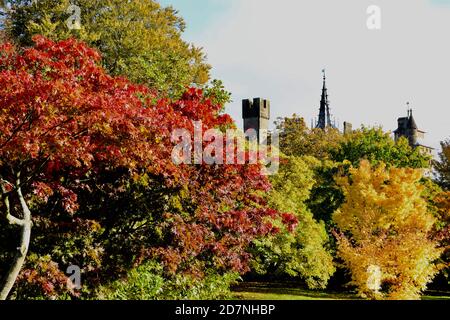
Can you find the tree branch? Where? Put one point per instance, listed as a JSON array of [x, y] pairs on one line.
[[37, 171], [23, 204], [19, 258], [16, 130], [56, 126], [11, 219]]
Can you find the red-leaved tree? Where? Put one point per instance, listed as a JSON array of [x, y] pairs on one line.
[[71, 134], [60, 114]]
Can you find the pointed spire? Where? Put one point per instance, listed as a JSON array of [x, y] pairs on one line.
[[324, 112], [324, 87], [412, 122]]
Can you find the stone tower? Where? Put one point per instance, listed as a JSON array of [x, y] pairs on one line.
[[324, 120], [256, 115], [348, 128], [407, 127]]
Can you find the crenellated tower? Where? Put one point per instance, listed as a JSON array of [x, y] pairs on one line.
[[256, 115]]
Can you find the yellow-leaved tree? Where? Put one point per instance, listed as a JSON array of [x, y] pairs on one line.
[[384, 232]]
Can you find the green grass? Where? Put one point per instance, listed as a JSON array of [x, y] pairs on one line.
[[278, 291], [437, 297], [276, 296]]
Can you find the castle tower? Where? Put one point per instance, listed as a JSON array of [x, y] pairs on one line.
[[256, 115], [407, 127], [324, 120], [348, 128]]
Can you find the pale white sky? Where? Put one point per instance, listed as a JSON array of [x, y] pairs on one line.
[[277, 49]]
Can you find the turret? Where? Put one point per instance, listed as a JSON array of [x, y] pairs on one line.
[[407, 127], [256, 115]]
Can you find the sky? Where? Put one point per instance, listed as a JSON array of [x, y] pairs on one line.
[[277, 49]]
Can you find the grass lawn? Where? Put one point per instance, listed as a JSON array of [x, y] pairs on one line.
[[279, 296], [278, 291]]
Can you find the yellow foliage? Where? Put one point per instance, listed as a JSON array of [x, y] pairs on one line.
[[385, 225]]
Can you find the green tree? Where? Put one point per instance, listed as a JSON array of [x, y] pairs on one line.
[[139, 39], [377, 146], [442, 166], [326, 196], [302, 252]]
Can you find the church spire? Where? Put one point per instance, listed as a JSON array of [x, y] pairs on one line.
[[324, 112]]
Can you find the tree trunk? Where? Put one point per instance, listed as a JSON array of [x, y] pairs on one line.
[[22, 251]]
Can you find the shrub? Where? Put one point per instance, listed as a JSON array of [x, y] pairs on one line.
[[147, 282]]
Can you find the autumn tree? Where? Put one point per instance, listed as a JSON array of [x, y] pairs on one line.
[[296, 139], [442, 166], [372, 144], [442, 230], [139, 39], [384, 232], [87, 159], [60, 114]]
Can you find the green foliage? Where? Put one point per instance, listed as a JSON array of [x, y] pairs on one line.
[[326, 196], [292, 184], [377, 146], [301, 253], [138, 39], [148, 283], [442, 166], [217, 93], [298, 140]]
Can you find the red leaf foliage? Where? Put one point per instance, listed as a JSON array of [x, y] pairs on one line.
[[63, 120]]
